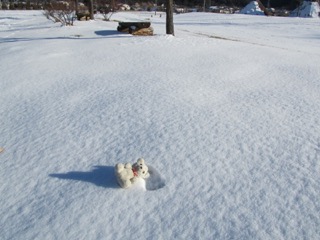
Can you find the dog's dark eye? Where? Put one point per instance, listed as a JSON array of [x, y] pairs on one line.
[[143, 172], [140, 167]]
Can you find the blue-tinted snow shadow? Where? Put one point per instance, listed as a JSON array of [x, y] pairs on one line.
[[107, 32], [101, 176]]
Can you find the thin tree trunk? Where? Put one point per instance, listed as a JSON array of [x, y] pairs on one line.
[[91, 9], [76, 3], [169, 19], [113, 5]]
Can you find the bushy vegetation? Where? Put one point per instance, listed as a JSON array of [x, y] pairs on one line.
[[63, 12], [38, 4], [238, 3]]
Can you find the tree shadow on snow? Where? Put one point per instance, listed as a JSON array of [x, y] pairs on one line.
[[101, 176], [109, 34]]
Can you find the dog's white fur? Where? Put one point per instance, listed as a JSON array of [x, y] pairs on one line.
[[128, 174]]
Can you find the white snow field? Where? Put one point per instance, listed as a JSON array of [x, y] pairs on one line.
[[226, 113]]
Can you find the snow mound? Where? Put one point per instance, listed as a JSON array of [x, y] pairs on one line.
[[155, 181], [307, 9], [252, 8]]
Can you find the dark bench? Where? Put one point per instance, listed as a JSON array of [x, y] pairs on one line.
[[131, 27], [85, 16]]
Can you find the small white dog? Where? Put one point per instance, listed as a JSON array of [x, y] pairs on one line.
[[128, 174]]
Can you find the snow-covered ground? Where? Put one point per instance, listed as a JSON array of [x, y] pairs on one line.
[[226, 113]]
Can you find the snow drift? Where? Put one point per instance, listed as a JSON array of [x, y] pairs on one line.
[[252, 8], [307, 9]]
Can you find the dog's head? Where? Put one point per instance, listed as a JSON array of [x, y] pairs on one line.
[[141, 168]]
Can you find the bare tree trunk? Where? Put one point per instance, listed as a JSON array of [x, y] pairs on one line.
[[76, 2], [91, 9], [169, 19], [113, 5]]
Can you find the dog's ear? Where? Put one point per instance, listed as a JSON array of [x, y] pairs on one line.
[[140, 160]]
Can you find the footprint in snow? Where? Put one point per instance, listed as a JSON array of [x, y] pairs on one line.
[[155, 181]]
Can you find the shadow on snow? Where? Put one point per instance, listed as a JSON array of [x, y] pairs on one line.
[[100, 35], [101, 176], [107, 32]]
